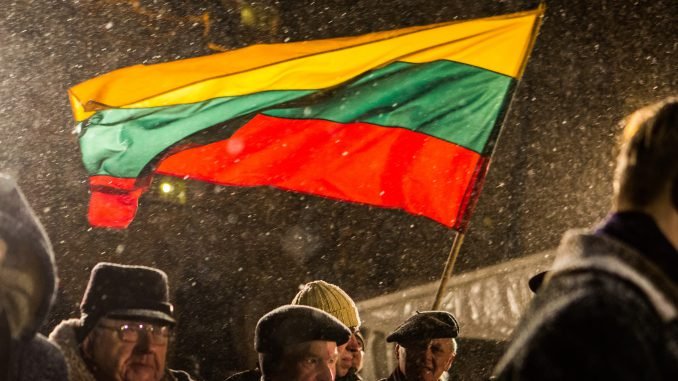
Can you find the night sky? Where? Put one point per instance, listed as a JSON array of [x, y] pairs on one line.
[[233, 254]]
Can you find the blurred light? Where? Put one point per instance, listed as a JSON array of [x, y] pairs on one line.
[[166, 187], [247, 15], [263, 18], [3, 250]]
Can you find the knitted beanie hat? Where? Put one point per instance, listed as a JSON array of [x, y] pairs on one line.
[[331, 299]]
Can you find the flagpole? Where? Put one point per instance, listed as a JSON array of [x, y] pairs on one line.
[[449, 266], [459, 237]]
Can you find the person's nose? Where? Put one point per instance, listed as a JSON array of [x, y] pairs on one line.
[[353, 345], [429, 356], [144, 342], [326, 372]]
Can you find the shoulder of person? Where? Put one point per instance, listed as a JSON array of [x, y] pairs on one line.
[[615, 264], [40, 351], [180, 375], [590, 297], [247, 375], [585, 325]]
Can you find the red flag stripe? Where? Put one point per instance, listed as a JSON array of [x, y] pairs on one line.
[[358, 162]]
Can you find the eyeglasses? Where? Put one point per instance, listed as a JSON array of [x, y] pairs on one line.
[[131, 332]]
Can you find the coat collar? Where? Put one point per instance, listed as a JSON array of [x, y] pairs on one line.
[[581, 250], [641, 232]]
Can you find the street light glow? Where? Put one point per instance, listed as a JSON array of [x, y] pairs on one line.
[[166, 187]]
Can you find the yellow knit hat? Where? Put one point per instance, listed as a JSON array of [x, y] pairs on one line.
[[331, 299]]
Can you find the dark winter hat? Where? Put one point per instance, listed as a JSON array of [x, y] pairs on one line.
[[120, 291], [293, 324], [426, 325]]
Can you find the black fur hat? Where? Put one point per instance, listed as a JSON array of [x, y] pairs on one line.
[[121, 291]]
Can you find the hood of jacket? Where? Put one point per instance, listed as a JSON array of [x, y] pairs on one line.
[[27, 270]]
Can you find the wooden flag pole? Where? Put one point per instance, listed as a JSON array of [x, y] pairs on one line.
[[459, 237], [449, 266]]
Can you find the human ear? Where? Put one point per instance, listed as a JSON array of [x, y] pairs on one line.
[[451, 360]]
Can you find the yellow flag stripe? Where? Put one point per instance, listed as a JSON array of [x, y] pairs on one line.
[[499, 44]]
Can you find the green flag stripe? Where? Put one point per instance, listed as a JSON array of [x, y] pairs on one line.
[[451, 101], [121, 142]]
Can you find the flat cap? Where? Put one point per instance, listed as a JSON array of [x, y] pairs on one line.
[[426, 325], [294, 324]]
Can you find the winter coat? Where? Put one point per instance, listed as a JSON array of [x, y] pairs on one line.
[[255, 375], [397, 375], [605, 312], [248, 375], [37, 351], [27, 290], [65, 336], [350, 376]]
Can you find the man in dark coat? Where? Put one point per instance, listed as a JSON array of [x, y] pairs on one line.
[[27, 289], [425, 346], [608, 308], [296, 343], [124, 329]]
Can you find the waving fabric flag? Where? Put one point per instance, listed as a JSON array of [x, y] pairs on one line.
[[399, 119]]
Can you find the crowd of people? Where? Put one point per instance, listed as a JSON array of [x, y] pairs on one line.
[[607, 308]]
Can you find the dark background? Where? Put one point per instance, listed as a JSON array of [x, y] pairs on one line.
[[232, 254]]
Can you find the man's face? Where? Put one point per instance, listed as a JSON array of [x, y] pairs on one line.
[[425, 360], [346, 351], [310, 361], [126, 356]]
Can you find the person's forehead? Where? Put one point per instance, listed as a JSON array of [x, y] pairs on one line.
[[423, 343], [129, 320], [442, 340], [320, 347]]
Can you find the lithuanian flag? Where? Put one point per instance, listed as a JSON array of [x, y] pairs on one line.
[[398, 119]]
